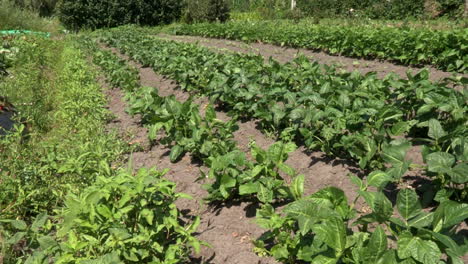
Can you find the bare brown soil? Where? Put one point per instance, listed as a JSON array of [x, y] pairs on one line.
[[285, 54]]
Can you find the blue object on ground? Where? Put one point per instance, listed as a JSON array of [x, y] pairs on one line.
[[19, 32]]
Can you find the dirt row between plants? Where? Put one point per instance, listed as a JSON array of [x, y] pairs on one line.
[[285, 54], [228, 228]]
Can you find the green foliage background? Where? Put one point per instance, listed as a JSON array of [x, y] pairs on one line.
[[206, 11], [375, 9], [14, 17], [110, 13]]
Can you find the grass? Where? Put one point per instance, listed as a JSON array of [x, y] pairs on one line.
[[12, 17], [66, 146]]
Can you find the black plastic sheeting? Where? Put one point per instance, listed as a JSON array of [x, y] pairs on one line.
[[6, 122]]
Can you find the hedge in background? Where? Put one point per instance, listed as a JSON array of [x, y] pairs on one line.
[[375, 9], [93, 14], [395, 9], [206, 11]]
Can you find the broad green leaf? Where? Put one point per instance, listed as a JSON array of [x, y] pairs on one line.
[[440, 162], [307, 213], [154, 130], [447, 241], [210, 114], [16, 238], [228, 181], [103, 210], [357, 181], [382, 207], [297, 187], [459, 173], [131, 257], [258, 153], [289, 147], [395, 152], [424, 251], [378, 179], [443, 195], [423, 219], [355, 243], [398, 221], [278, 114], [377, 245], [19, 225], [120, 233], [257, 170], [111, 258], [408, 203], [39, 222], [47, 242], [280, 251], [398, 170], [400, 128], [332, 197], [297, 114], [388, 258], [176, 152], [265, 195], [448, 214], [322, 259], [332, 231], [286, 169], [249, 188], [435, 130], [148, 215], [395, 155]]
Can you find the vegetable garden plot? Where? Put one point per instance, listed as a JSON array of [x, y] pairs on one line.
[[445, 49], [288, 54], [340, 120], [296, 234]]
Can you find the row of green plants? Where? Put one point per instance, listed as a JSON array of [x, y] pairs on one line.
[[205, 138], [323, 227], [65, 194], [359, 120], [444, 49]]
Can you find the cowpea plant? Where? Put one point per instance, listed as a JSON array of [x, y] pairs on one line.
[[183, 125], [123, 218], [325, 228], [262, 179]]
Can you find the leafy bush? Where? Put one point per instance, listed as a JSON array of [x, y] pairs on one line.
[[235, 176], [451, 8], [318, 228], [43, 7], [110, 13], [131, 216], [121, 217], [206, 11], [396, 9]]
